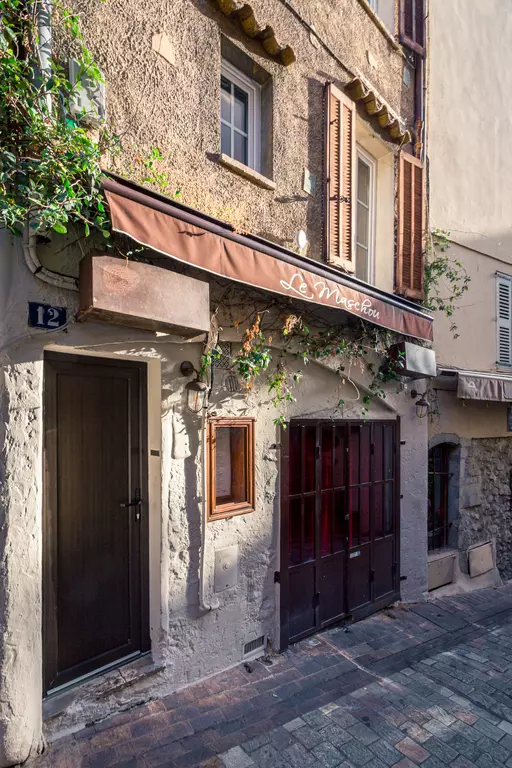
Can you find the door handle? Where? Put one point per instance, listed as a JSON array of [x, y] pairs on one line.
[[136, 502]]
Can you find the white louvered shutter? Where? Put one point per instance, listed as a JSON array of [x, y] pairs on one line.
[[504, 313]]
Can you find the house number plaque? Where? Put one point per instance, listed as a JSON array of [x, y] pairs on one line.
[[46, 316]]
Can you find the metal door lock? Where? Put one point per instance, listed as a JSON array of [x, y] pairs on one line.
[[137, 502]]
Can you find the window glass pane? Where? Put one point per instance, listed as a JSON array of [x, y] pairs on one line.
[[388, 452], [230, 460], [240, 148], [339, 457], [308, 550], [225, 99], [327, 457], [378, 490], [295, 460], [378, 452], [365, 514], [309, 458], [354, 455], [339, 521], [388, 508], [326, 523], [354, 517], [225, 139], [362, 225], [365, 454], [295, 531], [240, 105], [362, 263], [363, 182]]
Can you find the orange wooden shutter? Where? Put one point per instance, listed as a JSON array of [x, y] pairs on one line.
[[340, 155], [411, 223]]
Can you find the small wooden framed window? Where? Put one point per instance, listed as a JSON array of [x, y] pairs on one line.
[[230, 467]]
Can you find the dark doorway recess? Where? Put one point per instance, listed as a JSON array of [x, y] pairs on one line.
[[95, 525], [439, 478], [339, 522]]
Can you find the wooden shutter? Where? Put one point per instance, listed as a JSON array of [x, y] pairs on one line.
[[412, 25], [504, 317], [340, 156], [411, 219]]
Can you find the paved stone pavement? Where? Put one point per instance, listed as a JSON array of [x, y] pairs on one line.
[[425, 685]]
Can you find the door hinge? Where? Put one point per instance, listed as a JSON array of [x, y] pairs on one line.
[[277, 577], [316, 600]]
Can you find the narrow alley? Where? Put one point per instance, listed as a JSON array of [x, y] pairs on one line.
[[426, 684]]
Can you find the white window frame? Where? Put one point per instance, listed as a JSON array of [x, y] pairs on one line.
[[374, 5], [253, 91], [503, 324], [372, 218]]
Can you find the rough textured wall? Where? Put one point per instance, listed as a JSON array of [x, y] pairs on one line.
[[487, 469], [177, 108], [20, 531]]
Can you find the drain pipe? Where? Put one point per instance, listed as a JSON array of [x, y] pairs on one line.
[[37, 269], [44, 53], [214, 603]]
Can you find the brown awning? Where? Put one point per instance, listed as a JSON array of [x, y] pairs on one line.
[[208, 244], [475, 386]]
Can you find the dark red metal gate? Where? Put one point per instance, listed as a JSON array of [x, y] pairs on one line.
[[339, 522]]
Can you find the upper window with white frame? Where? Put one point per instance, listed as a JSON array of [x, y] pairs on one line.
[[240, 122], [365, 215]]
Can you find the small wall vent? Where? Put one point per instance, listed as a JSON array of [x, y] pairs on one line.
[[225, 359], [255, 648]]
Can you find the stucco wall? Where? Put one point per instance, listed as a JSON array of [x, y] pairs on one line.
[[177, 108], [189, 643], [470, 164], [470, 121], [466, 418], [476, 346]]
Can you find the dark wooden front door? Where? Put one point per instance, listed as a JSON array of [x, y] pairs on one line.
[[339, 522], [95, 593]]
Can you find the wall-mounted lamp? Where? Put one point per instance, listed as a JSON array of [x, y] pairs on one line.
[[422, 403], [196, 390]]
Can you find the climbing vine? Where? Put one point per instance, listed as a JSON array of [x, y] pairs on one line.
[[291, 341], [446, 279], [50, 161], [50, 164]]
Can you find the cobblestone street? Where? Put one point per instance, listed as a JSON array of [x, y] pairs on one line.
[[427, 685]]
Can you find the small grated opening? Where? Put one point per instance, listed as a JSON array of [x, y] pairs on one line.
[[254, 645], [225, 359]]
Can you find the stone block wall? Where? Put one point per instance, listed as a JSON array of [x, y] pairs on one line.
[[486, 474]]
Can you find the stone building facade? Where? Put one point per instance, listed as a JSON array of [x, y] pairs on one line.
[[163, 64]]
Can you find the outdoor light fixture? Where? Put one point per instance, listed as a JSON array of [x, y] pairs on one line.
[[421, 405], [196, 390]]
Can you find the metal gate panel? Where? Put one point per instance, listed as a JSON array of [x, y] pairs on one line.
[[339, 522]]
